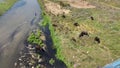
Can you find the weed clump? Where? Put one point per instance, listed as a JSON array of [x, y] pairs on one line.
[[34, 38]]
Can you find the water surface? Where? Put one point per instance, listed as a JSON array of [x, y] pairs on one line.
[[14, 28]]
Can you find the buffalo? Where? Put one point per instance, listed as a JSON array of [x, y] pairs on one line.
[[83, 33]]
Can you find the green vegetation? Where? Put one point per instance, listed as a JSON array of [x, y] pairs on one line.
[[34, 38], [45, 17], [45, 20], [5, 5], [51, 61], [84, 52]]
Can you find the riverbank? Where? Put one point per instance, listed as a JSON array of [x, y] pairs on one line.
[[40, 50], [55, 39], [6, 5], [87, 36]]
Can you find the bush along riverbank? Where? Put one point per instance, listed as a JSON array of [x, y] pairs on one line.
[[5, 5]]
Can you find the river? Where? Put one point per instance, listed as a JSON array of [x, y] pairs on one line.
[[15, 25]]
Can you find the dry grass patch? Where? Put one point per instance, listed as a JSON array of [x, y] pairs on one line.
[[55, 8]]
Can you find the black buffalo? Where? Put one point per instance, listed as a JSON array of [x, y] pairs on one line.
[[97, 39], [83, 33]]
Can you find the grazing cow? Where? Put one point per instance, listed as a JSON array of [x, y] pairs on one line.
[[92, 18], [83, 33], [76, 24], [97, 39]]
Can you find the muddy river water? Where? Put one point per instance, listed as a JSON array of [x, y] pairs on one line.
[[14, 28]]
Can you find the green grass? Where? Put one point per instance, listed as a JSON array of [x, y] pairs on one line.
[[6, 5], [87, 53]]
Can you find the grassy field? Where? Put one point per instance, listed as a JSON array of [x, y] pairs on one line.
[[85, 52], [6, 5]]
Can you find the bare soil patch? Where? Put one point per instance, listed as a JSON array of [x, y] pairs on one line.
[[55, 8]]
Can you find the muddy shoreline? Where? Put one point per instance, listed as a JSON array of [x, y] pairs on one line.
[[33, 55]]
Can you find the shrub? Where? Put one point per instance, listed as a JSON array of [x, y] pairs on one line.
[[34, 38]]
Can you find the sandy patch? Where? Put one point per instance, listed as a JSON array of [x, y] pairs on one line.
[[55, 8]]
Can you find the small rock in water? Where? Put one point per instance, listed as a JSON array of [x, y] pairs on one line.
[[22, 56], [34, 31], [33, 56], [30, 64], [21, 64], [21, 53], [40, 60], [20, 59], [29, 46], [28, 61], [33, 67], [15, 64]]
